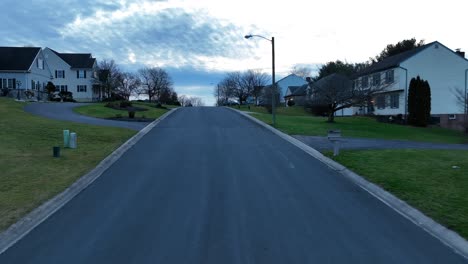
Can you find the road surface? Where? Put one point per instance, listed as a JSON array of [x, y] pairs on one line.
[[208, 186]]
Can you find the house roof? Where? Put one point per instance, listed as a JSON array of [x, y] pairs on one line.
[[392, 61], [331, 79], [17, 58], [298, 90], [77, 60]]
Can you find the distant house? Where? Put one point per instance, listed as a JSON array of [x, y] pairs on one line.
[[443, 68], [23, 68], [284, 83], [74, 72], [296, 94]]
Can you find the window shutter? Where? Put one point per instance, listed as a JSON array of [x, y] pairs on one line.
[[85, 74], [63, 74], [14, 83], [55, 74], [77, 74]]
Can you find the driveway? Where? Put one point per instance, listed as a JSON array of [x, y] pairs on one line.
[[322, 143], [206, 185], [64, 111]]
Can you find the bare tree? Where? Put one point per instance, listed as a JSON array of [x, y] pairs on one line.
[[108, 71], [240, 86], [128, 83], [154, 81], [251, 82], [301, 71], [197, 101], [185, 100], [336, 91]]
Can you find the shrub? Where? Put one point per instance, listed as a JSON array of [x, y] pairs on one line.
[[5, 92], [66, 96], [118, 115], [131, 114], [291, 103], [125, 104], [317, 109], [29, 93]]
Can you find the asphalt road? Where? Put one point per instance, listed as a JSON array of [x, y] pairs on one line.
[[208, 186], [64, 111]]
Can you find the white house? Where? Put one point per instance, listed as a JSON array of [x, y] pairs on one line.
[[23, 68], [444, 69], [290, 80], [73, 72]]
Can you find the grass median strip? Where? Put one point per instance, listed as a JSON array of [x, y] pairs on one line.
[[295, 122], [434, 181], [99, 110], [29, 174]]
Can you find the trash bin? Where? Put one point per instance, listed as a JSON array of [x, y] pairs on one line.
[[66, 138], [56, 151], [73, 140]]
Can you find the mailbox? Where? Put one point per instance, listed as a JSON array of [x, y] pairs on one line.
[[334, 135]]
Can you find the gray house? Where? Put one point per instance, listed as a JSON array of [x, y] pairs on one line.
[[21, 69], [296, 94]]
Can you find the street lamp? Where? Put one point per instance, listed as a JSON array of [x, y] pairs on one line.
[[273, 84]]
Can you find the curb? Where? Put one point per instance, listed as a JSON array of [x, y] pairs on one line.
[[26, 224], [445, 235]]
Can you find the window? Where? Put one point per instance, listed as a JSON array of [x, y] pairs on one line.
[[365, 82], [10, 83], [376, 79], [61, 88], [381, 101], [81, 88], [60, 74], [40, 63], [452, 117], [4, 82], [395, 100], [81, 74], [389, 76]]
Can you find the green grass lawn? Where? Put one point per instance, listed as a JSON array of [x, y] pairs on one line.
[[100, 111], [295, 121], [423, 178], [29, 174]]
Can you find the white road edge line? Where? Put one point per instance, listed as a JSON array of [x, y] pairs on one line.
[[445, 235], [26, 224]]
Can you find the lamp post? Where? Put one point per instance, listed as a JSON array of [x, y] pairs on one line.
[[273, 84]]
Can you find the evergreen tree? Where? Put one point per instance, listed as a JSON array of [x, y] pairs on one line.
[[419, 102]]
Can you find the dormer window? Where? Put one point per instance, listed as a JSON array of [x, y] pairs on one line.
[[389, 76], [376, 79], [40, 63], [365, 82]]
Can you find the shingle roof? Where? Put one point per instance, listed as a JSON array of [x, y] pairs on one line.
[[391, 62], [297, 90], [17, 58], [77, 60]]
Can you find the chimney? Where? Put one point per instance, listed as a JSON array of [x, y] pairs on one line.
[[460, 53]]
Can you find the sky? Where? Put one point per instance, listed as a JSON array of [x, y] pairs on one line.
[[199, 41]]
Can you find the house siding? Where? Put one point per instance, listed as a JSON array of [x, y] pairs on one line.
[[71, 80], [445, 71]]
